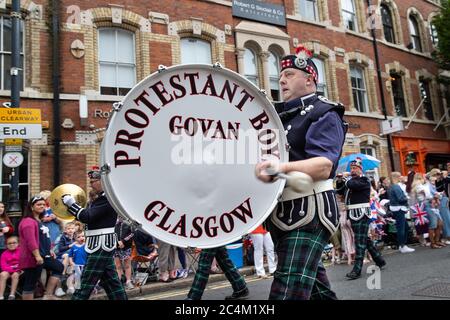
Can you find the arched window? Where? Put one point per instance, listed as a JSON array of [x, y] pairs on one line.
[[415, 33], [251, 66], [195, 50], [274, 75], [117, 66], [359, 90], [388, 25], [322, 83], [349, 15]]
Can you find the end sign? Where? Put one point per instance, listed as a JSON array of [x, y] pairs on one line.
[[20, 123]]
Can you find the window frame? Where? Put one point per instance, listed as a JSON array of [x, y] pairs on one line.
[[434, 35], [386, 12], [117, 64], [315, 8], [4, 53], [190, 38], [273, 77], [256, 64], [324, 76], [428, 111], [414, 33], [396, 97], [353, 14], [359, 90]]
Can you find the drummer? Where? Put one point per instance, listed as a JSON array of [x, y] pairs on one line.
[[303, 222], [101, 240]]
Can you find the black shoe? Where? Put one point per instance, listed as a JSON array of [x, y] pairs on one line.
[[353, 275], [238, 295], [381, 264]]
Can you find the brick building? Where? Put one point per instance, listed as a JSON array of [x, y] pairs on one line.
[[106, 47]]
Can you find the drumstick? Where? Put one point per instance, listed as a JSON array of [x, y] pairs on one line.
[[298, 181]]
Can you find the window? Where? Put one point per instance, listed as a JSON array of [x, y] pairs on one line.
[[250, 66], [415, 34], [195, 50], [424, 87], [117, 61], [274, 75], [349, 15], [359, 89], [397, 92], [322, 83], [370, 151], [308, 9], [388, 26], [5, 53], [434, 35]]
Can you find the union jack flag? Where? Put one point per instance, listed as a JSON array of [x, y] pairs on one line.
[[419, 214]]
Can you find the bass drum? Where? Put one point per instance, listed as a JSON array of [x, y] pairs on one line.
[[180, 151]]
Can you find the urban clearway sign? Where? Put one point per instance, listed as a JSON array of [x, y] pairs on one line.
[[259, 11], [20, 123]]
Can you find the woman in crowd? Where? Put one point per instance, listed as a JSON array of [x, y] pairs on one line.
[[6, 227]]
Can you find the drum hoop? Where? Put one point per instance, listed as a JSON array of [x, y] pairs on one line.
[[114, 200]]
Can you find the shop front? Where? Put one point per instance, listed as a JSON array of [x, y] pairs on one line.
[[421, 154]]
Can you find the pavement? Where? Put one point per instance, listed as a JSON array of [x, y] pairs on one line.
[[154, 287]]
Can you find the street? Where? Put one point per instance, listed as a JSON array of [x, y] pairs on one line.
[[404, 278]]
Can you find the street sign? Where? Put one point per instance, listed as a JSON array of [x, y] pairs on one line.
[[392, 125], [20, 123], [12, 159]]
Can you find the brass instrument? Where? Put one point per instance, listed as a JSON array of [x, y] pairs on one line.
[[58, 207]]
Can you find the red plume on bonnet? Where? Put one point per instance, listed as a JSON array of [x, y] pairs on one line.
[[302, 52]]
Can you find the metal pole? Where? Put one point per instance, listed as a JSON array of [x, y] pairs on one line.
[[14, 206], [56, 92], [414, 115], [380, 85]]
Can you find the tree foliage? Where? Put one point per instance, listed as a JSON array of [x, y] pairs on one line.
[[442, 24]]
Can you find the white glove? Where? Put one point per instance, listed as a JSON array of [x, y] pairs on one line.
[[68, 200]]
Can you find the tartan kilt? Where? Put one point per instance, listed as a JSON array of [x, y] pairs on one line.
[[100, 267], [363, 243], [300, 274], [204, 265]]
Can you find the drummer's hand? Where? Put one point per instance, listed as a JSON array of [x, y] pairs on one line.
[[68, 200], [260, 171]]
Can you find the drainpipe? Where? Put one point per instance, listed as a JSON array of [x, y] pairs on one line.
[[380, 85], [56, 93]]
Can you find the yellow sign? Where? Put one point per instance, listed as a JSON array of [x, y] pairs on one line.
[[13, 142], [20, 115]]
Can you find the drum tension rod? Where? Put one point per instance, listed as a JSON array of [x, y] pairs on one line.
[[217, 65], [117, 106], [262, 91], [105, 169], [161, 68]]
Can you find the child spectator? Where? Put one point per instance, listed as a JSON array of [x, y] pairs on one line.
[[50, 220], [6, 228], [77, 259], [10, 265], [63, 245], [435, 226]]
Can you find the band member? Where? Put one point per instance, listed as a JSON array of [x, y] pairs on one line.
[[240, 290], [356, 191], [101, 240], [303, 222]]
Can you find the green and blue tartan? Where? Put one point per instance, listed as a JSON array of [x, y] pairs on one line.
[[204, 265], [300, 274], [100, 266], [363, 242]]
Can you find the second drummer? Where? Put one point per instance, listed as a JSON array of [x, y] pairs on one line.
[[303, 222]]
